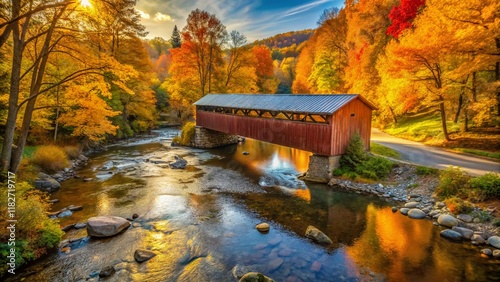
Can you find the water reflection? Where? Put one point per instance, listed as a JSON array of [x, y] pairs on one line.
[[201, 223]]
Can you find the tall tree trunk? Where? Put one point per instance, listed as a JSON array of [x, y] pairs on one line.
[[23, 135], [466, 121], [58, 109], [474, 87], [36, 84], [443, 119], [460, 104], [497, 77], [10, 125], [393, 115]]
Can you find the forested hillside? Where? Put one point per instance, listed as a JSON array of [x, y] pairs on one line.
[[407, 56], [70, 72]]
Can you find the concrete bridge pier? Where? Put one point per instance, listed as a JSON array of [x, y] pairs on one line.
[[321, 167], [207, 138]]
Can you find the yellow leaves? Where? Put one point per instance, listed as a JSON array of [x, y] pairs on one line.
[[89, 114]]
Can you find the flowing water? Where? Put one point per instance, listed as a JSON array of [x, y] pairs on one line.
[[200, 222]]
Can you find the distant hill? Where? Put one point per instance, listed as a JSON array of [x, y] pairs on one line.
[[286, 39]]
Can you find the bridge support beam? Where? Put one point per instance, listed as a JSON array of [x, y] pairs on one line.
[[321, 167], [206, 138]]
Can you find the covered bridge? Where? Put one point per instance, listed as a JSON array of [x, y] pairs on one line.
[[322, 124]]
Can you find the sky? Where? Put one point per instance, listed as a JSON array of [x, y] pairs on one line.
[[256, 19]]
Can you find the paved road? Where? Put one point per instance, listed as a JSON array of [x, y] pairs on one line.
[[418, 153]]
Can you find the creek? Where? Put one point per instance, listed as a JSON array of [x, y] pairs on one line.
[[200, 221]]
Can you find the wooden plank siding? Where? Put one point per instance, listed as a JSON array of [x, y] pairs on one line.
[[311, 137], [344, 125]]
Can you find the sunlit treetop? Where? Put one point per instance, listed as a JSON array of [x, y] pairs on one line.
[[85, 3]]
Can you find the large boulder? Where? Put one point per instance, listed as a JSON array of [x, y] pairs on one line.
[[255, 277], [179, 163], [466, 233], [416, 214], [106, 226], [316, 235], [46, 183], [494, 241], [143, 255], [447, 220], [451, 235]]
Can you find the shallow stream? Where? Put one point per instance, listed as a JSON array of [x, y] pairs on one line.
[[200, 222]]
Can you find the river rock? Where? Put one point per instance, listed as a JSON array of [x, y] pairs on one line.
[[478, 239], [447, 220], [394, 209], [465, 217], [496, 253], [107, 272], [82, 158], [65, 213], [88, 179], [487, 252], [263, 227], [404, 211], [274, 264], [255, 277], [143, 255], [494, 241], [466, 233], [246, 153], [46, 183], [411, 205], [416, 214], [451, 235], [75, 208], [316, 235], [67, 227], [80, 225], [134, 216], [180, 163], [315, 266], [440, 205], [106, 226]]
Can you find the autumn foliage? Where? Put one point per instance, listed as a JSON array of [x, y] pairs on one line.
[[402, 15]]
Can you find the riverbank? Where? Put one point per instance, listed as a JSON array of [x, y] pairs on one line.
[[413, 195]]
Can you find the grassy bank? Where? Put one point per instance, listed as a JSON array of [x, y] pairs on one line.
[[426, 128]]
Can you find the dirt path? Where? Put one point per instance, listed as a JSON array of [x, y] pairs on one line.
[[421, 154]]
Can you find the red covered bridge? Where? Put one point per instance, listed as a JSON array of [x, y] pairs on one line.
[[322, 124]]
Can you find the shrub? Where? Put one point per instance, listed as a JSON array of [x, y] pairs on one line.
[[456, 205], [357, 162], [50, 158], [453, 181], [374, 168], [355, 152], [187, 133], [36, 233], [425, 170], [488, 185], [496, 222], [72, 151]]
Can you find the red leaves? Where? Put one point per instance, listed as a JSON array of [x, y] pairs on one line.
[[402, 15]]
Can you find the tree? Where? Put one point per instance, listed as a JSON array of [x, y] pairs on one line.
[[240, 69], [264, 69], [73, 33], [199, 59], [402, 16], [175, 40]]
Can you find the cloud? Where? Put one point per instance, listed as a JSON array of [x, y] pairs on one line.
[[143, 15], [303, 8], [159, 17]]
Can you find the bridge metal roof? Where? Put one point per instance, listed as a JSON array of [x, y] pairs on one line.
[[297, 103]]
